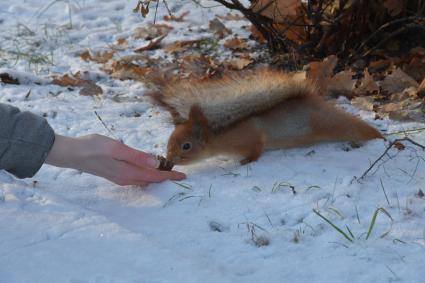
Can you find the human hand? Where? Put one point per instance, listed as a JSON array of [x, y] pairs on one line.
[[108, 158]]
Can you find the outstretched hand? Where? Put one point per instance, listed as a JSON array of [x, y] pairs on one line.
[[108, 158]]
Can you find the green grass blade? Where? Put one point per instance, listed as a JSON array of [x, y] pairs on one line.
[[333, 225], [373, 221]]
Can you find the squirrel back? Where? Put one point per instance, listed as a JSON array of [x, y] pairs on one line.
[[233, 98], [246, 114]]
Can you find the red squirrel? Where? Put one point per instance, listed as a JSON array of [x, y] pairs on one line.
[[246, 114]]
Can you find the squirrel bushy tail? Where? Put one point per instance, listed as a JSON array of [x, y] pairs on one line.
[[249, 113], [233, 98]]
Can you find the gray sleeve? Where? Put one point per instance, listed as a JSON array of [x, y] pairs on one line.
[[25, 141]]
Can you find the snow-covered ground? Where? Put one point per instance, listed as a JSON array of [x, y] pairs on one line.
[[225, 223]]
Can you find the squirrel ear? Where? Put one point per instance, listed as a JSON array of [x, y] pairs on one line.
[[200, 123]]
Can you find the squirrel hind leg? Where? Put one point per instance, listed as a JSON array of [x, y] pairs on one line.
[[333, 124]]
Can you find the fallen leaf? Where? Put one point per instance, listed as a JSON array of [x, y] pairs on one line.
[[123, 70], [7, 79], [122, 41], [408, 93], [90, 89], [277, 10], [421, 89], [341, 84], [218, 28], [363, 102], [379, 65], [154, 43], [415, 68], [319, 73], [394, 7], [238, 64], [397, 81], [98, 57], [235, 44], [176, 18], [151, 31], [398, 145], [257, 35], [417, 51], [183, 45], [67, 80], [391, 107], [367, 85]]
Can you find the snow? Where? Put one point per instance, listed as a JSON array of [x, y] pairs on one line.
[[64, 226]]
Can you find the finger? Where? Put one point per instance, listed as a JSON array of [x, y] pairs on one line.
[[154, 175], [159, 176], [136, 157]]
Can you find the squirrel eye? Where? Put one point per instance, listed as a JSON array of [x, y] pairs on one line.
[[186, 146]]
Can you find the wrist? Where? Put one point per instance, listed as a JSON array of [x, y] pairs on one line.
[[66, 152]]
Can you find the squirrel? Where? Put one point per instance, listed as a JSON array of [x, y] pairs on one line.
[[246, 114]]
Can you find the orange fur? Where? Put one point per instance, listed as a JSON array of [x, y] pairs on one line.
[[297, 117]]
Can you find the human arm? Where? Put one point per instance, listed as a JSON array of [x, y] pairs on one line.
[[108, 158], [27, 141]]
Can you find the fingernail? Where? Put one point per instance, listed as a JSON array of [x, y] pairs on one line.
[[153, 162]]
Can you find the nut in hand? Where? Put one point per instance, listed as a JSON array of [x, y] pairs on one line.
[[164, 165]]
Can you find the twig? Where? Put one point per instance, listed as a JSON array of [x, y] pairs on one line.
[[393, 34], [106, 127], [386, 151], [380, 29], [405, 131]]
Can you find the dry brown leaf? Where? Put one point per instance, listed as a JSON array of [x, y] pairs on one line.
[[277, 10], [368, 85], [238, 64], [417, 51], [7, 79], [342, 83], [363, 102], [399, 146], [416, 68], [319, 73], [218, 28], [98, 57], [397, 81], [421, 89], [176, 18], [183, 45], [257, 35], [90, 89], [295, 33], [408, 93], [67, 80], [391, 107], [379, 65], [126, 71], [394, 7], [154, 43], [122, 41], [151, 31], [85, 55], [235, 44]]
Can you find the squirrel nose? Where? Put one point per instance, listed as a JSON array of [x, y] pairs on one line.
[[173, 158]]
